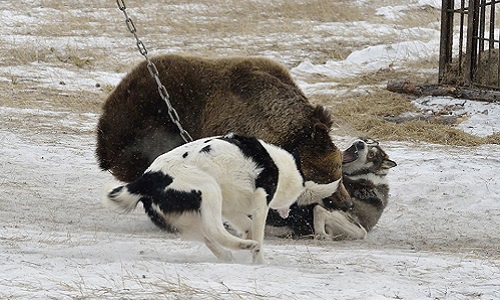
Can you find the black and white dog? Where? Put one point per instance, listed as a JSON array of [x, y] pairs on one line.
[[198, 186], [364, 169]]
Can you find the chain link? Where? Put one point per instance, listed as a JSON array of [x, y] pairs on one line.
[[153, 71]]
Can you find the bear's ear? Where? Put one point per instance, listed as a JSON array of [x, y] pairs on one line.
[[319, 131], [321, 138]]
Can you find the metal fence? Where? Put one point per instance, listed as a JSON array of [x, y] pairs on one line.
[[474, 59]]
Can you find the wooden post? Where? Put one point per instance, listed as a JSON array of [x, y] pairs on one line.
[[446, 41], [471, 47]]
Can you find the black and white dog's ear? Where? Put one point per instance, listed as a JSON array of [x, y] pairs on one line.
[[296, 156], [230, 135]]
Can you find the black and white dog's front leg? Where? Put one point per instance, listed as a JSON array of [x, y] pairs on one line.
[[259, 216]]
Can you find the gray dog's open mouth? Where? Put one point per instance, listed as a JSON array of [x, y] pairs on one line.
[[350, 154]]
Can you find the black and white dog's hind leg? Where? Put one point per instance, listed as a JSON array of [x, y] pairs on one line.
[[205, 223], [253, 228], [212, 221]]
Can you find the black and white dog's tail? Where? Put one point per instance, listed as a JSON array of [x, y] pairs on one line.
[[122, 199]]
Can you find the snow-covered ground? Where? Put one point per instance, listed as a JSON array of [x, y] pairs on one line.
[[438, 238]]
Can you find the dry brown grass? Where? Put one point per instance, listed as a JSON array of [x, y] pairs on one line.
[[321, 10], [416, 17], [23, 95], [256, 18], [221, 28], [363, 116]]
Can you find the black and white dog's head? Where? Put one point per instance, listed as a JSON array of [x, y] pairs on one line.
[[365, 156]]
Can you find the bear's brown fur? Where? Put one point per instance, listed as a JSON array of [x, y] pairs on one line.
[[250, 96]]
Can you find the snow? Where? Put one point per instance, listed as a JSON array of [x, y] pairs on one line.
[[374, 58], [438, 238], [371, 59], [425, 245], [398, 11], [63, 79], [482, 117]]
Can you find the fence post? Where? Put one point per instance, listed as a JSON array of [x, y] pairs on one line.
[[471, 46], [446, 41]]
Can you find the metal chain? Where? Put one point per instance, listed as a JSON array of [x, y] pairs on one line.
[[153, 71]]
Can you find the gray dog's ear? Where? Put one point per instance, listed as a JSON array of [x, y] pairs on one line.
[[387, 164], [369, 141]]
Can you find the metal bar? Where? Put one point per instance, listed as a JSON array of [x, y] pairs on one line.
[[492, 26], [480, 37], [461, 41], [446, 41], [471, 46], [482, 25], [492, 41]]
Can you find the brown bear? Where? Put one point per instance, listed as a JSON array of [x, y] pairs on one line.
[[248, 95]]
